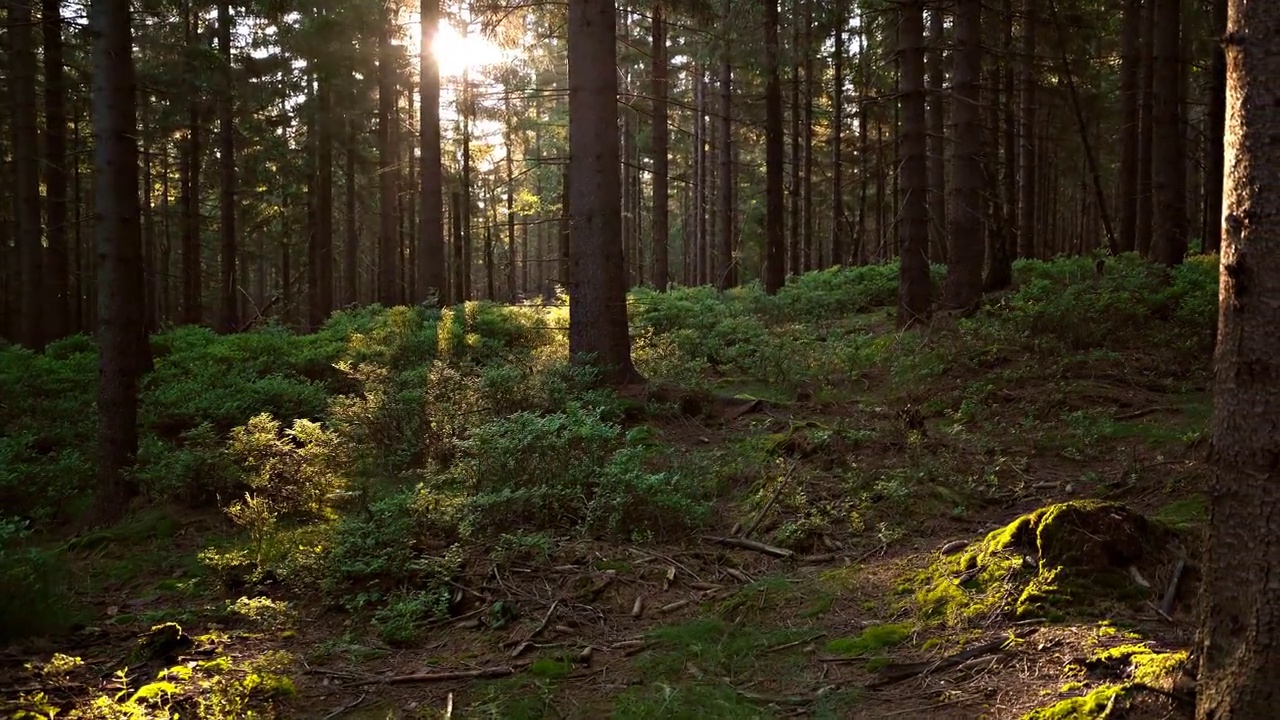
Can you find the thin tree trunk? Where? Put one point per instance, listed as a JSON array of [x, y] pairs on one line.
[[807, 254], [1146, 200], [26, 173], [322, 302], [1168, 169], [1130, 63], [192, 266], [1027, 241], [1215, 127], [794, 246], [661, 164], [228, 281], [838, 249], [57, 309], [431, 251], [936, 120], [775, 239], [724, 266], [387, 250]]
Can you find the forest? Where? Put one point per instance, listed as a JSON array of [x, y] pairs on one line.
[[639, 359]]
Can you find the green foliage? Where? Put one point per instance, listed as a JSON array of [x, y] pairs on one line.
[[35, 598]]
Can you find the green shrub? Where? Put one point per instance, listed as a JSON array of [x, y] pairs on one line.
[[35, 599]]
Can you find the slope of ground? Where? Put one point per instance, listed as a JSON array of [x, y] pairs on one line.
[[806, 513]]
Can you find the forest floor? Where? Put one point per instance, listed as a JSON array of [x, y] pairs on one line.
[[824, 615]]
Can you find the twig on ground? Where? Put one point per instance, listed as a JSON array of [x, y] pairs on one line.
[[499, 671], [794, 643], [749, 545], [777, 490], [1144, 412], [347, 707]]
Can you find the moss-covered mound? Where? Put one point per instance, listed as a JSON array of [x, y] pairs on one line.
[[1058, 559], [1109, 677]]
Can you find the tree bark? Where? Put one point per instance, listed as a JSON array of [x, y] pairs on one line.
[[838, 249], [775, 270], [1130, 63], [725, 262], [431, 276], [794, 267], [965, 216], [598, 301], [1215, 124], [937, 139], [192, 267], [26, 172], [913, 273], [58, 307], [661, 162], [1027, 241], [322, 297], [1142, 233], [388, 254], [1169, 231], [122, 340], [1239, 643], [807, 254], [227, 282]]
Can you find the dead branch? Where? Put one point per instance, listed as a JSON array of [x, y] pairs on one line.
[[749, 545], [893, 674], [1171, 593], [499, 671]]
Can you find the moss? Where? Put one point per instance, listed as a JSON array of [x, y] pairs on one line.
[[1083, 707], [1183, 514], [1047, 563], [874, 638], [1131, 664]]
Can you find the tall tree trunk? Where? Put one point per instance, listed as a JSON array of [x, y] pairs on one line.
[[58, 306], [661, 164], [166, 246], [148, 220], [1130, 63], [598, 302], [1146, 152], [1027, 241], [724, 267], [387, 246], [1215, 127], [26, 172], [122, 342], [936, 120], [838, 250], [1239, 643], [466, 112], [807, 253], [322, 297], [431, 253], [227, 281], [511, 212], [794, 266], [1000, 268], [1168, 169], [913, 273], [490, 286], [775, 270], [457, 284], [965, 216], [564, 266], [192, 266]]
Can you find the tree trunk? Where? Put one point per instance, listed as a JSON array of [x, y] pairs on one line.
[[1216, 122], [26, 172], [121, 336], [1130, 63], [467, 111], [964, 216], [794, 266], [387, 246], [810, 90], [937, 139], [661, 165], [351, 249], [564, 268], [490, 289], [838, 250], [148, 219], [227, 281], [724, 267], [58, 304], [192, 267], [431, 277], [457, 284], [1000, 264], [775, 271], [1142, 233], [1027, 244], [913, 277], [1239, 644], [598, 302], [322, 299], [1168, 172]]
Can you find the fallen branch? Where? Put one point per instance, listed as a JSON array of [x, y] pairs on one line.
[[1144, 412], [750, 545], [893, 674], [346, 708], [483, 673], [1171, 593]]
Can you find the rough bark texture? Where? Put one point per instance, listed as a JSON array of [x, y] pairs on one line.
[[351, 249], [192, 270], [1142, 233], [598, 300], [913, 278], [431, 277], [964, 215], [322, 298], [775, 271], [121, 338], [1239, 645], [838, 250], [724, 266], [793, 190], [661, 198]]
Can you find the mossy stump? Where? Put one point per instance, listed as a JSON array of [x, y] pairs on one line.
[[1058, 559]]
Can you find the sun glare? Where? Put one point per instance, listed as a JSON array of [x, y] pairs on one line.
[[454, 52]]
